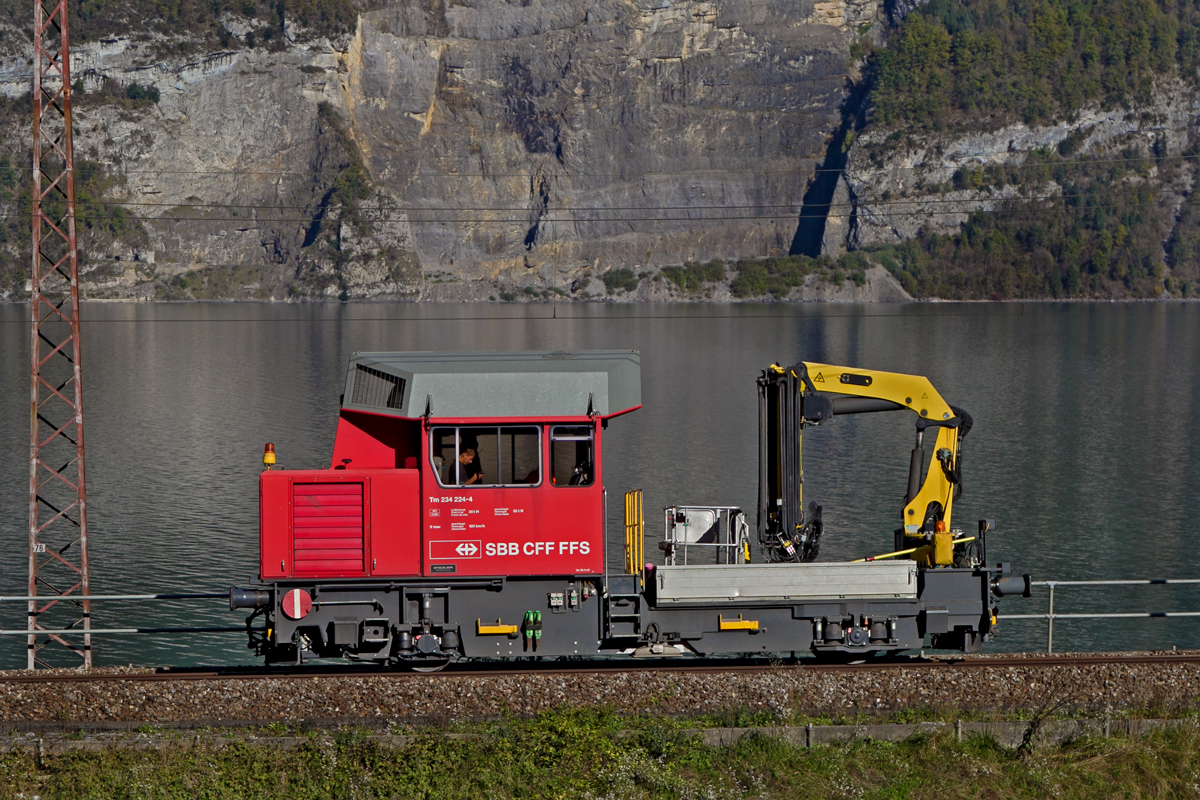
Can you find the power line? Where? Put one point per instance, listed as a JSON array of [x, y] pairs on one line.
[[1040, 306], [672, 173], [576, 220], [421, 209], [796, 207], [474, 221]]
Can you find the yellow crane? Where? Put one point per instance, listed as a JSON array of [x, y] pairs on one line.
[[792, 398]]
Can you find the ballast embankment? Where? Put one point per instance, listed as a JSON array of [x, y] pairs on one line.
[[786, 692]]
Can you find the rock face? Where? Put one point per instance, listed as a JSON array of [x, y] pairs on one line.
[[897, 185], [514, 143], [566, 135]]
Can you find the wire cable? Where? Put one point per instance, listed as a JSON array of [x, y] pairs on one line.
[[795, 207], [672, 173], [786, 311], [574, 220]]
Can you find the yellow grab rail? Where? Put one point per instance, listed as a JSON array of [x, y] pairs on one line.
[[635, 533], [488, 629]]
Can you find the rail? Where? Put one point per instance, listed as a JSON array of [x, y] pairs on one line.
[[1051, 615]]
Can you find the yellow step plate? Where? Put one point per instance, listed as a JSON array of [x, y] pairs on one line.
[[738, 624], [487, 628]]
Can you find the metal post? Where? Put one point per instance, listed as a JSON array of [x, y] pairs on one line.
[[58, 554], [1050, 620]]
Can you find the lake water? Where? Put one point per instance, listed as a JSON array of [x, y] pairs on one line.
[[1085, 447]]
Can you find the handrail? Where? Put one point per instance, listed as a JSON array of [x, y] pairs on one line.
[[70, 631], [1050, 615], [26, 598], [1137, 582], [635, 533]]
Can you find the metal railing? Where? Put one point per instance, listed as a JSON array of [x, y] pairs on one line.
[[1051, 615], [123, 598], [718, 532]]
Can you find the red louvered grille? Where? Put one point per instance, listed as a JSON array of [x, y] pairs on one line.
[[327, 527]]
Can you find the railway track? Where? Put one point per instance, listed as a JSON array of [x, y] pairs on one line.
[[481, 669]]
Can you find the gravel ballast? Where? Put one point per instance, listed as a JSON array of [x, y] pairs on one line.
[[783, 691]]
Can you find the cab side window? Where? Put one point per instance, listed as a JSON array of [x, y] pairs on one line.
[[520, 456], [485, 456], [572, 456]]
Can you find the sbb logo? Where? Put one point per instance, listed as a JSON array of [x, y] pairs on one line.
[[502, 549]]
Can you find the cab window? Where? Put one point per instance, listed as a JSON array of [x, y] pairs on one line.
[[572, 455], [485, 455]]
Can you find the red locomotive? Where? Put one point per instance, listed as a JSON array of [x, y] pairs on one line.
[[463, 515]]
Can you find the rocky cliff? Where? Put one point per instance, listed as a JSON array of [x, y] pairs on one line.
[[445, 149], [901, 186], [622, 149], [1028, 150]]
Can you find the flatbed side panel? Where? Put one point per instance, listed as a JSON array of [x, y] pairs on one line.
[[783, 582]]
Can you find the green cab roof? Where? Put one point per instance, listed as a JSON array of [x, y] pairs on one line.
[[527, 385]]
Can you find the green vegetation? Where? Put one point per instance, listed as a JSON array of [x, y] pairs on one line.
[[778, 276], [112, 93], [1104, 238], [580, 754], [621, 279], [691, 277], [1035, 60], [100, 225], [138, 93], [240, 282], [955, 65], [189, 25], [107, 221], [15, 194]]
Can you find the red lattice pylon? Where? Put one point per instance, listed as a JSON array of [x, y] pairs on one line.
[[58, 555]]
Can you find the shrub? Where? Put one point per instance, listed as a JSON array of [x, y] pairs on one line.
[[620, 279], [139, 94], [775, 276], [691, 276]]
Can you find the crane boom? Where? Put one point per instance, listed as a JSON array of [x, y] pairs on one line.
[[809, 393]]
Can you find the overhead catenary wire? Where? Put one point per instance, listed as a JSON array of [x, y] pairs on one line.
[[796, 205], [573, 219], [672, 173], [783, 311]]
